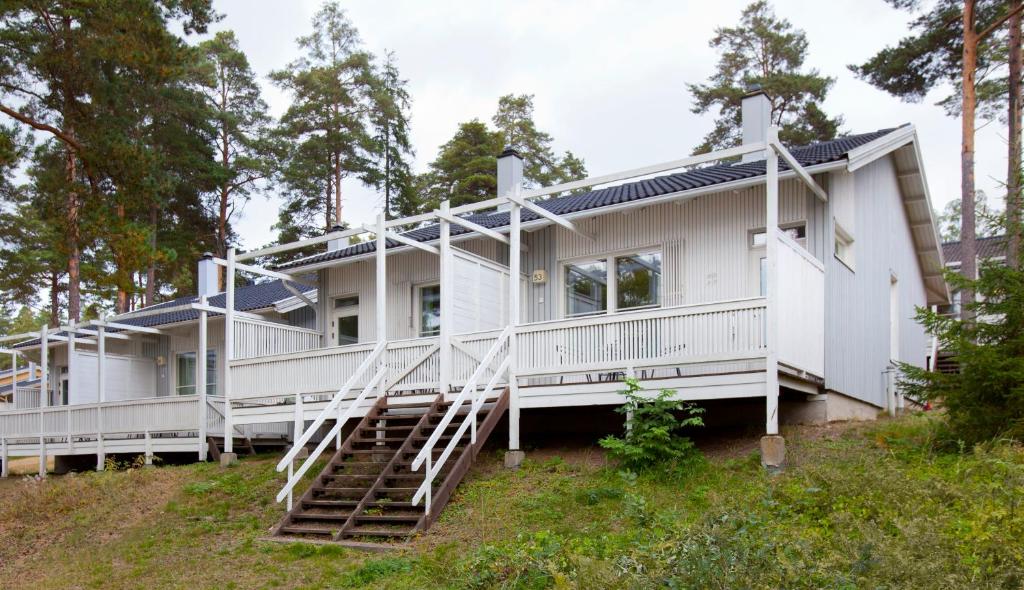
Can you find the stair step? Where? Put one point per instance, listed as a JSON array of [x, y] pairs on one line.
[[301, 530], [379, 532], [353, 503], [385, 428], [388, 518], [385, 439], [340, 517]]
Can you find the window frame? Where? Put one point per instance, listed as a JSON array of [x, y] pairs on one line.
[[418, 308], [611, 270], [344, 312], [211, 372]]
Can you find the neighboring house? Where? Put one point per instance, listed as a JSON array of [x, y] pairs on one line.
[[18, 377], [789, 274], [988, 249], [149, 391]]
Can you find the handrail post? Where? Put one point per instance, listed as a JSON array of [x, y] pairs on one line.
[[201, 379], [229, 352]]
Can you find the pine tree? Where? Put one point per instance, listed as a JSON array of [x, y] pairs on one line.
[[465, 170], [243, 147], [952, 42], [541, 167], [766, 52], [391, 122], [328, 125]]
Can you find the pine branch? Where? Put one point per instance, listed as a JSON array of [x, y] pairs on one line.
[[41, 127], [999, 22]]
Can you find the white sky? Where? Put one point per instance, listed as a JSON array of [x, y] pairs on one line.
[[609, 77]]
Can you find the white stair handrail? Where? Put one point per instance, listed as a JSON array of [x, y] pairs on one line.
[[293, 479], [332, 407], [435, 468], [470, 386]]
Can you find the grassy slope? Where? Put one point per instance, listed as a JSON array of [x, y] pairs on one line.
[[872, 507]]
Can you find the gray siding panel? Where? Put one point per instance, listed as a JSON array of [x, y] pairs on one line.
[[857, 302]]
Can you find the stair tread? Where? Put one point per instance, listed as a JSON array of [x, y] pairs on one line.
[[333, 516], [350, 503], [388, 517], [379, 532], [301, 530]]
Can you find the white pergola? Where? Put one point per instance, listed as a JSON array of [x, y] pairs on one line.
[[517, 200]]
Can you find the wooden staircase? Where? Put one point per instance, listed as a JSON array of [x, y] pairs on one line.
[[365, 492]]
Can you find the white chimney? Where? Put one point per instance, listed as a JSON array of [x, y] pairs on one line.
[[207, 276], [755, 114], [337, 243], [510, 174]]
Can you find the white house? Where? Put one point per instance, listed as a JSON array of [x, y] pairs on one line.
[[753, 273]]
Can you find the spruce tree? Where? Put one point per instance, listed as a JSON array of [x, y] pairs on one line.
[[766, 52], [391, 123]]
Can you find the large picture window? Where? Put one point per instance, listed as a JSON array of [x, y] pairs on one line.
[[628, 281], [186, 365], [586, 287]]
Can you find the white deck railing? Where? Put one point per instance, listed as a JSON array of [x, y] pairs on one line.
[[158, 414], [647, 338], [730, 330], [254, 338], [801, 308], [26, 397]]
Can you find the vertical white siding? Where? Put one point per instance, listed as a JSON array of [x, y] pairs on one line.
[[857, 301]]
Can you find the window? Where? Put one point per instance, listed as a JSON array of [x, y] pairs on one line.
[[346, 320], [759, 237], [844, 246], [764, 277], [430, 310], [186, 365], [631, 281], [638, 280], [586, 287]]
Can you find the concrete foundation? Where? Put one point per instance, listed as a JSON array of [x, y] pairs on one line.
[[228, 459], [514, 459], [832, 406], [773, 451]]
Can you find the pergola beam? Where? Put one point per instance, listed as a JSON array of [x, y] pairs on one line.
[[799, 170], [404, 240], [473, 227], [557, 219], [224, 311], [255, 270], [129, 328]]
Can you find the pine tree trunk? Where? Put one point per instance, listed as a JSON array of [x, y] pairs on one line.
[[337, 189], [121, 298], [968, 265], [154, 217], [225, 191], [54, 299], [73, 237], [1013, 172]]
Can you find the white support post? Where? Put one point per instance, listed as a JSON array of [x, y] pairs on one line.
[[4, 469], [514, 262], [101, 391], [772, 292], [44, 352], [445, 336], [300, 418], [44, 392], [201, 379], [382, 289], [229, 350], [149, 449], [72, 368]]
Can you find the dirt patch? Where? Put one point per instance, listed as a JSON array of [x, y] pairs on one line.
[[28, 465]]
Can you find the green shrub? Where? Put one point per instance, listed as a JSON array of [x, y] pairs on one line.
[[985, 400], [651, 437]]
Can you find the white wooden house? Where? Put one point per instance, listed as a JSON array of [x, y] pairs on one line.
[[750, 273]]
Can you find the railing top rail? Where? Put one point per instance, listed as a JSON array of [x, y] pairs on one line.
[[656, 312], [313, 352], [269, 324], [144, 401]]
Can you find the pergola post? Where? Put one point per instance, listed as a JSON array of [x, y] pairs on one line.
[[228, 456], [382, 292], [201, 353], [514, 457], [445, 353], [101, 392], [44, 392], [772, 445]]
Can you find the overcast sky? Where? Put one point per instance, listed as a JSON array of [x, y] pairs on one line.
[[609, 78]]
